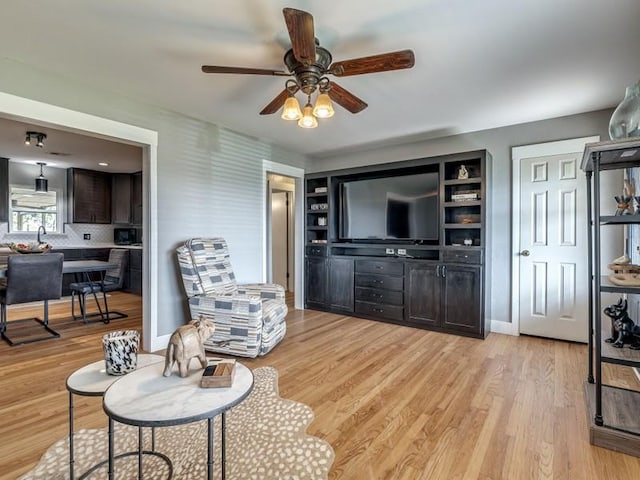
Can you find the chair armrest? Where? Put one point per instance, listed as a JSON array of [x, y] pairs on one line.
[[240, 305], [264, 290]]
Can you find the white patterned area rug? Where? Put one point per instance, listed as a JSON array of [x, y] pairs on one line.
[[266, 439]]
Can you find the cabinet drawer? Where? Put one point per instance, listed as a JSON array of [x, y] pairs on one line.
[[313, 251], [380, 266], [382, 311], [463, 256], [375, 295], [379, 281]]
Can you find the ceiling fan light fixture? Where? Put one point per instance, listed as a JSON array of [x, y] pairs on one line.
[[291, 109], [308, 120], [324, 107]]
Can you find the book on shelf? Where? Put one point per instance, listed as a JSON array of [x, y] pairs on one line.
[[463, 197]]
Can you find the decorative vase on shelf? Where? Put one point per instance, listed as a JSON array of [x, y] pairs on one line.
[[625, 121]]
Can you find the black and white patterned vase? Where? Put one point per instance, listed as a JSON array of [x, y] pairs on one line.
[[121, 351]]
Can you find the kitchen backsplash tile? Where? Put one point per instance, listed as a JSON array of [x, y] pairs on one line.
[[73, 235]]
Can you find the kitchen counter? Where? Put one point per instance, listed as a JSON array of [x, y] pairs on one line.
[[96, 245]]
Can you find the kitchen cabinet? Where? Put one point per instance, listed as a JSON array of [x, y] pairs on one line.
[[126, 198], [121, 206], [424, 293], [136, 198], [89, 196], [134, 278], [4, 190]]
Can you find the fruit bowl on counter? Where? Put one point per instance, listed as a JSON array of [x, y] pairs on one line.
[[30, 247]]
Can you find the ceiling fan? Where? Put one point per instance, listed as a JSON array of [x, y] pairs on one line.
[[309, 63]]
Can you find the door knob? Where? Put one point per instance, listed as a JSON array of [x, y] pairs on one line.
[[525, 253]]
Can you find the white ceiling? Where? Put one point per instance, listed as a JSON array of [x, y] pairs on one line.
[[479, 64], [64, 149]]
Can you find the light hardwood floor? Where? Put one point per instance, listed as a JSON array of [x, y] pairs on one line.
[[394, 402]]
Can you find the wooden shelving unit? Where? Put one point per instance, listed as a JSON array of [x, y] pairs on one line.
[[615, 420]]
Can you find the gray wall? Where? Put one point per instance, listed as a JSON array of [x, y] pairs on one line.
[[498, 142], [209, 178]]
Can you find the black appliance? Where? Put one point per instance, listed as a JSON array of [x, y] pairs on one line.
[[125, 236]]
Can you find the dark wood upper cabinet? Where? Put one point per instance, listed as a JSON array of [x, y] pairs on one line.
[[4, 189], [121, 206], [136, 198], [89, 196]]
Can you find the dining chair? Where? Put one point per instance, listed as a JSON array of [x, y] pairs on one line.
[[30, 278], [113, 280]]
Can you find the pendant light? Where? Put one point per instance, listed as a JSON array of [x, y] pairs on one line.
[[308, 120], [41, 182]]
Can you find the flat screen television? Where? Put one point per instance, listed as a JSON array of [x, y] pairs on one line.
[[393, 208]]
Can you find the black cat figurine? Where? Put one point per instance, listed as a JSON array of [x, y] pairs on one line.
[[623, 330]]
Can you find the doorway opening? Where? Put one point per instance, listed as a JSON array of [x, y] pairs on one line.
[[281, 231]]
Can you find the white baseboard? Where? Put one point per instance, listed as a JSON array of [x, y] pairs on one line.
[[160, 343], [505, 328]]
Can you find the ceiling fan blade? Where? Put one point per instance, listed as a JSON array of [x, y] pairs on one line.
[[375, 63], [345, 98], [301, 32], [242, 70], [277, 102]]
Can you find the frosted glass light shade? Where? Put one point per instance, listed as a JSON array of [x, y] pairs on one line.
[[308, 120], [291, 109], [324, 107]]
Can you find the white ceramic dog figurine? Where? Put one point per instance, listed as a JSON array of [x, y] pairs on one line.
[[186, 343]]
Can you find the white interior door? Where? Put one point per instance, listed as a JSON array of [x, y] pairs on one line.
[[279, 238], [552, 253]]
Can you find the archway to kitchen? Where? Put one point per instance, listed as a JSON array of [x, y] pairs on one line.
[[25, 110]]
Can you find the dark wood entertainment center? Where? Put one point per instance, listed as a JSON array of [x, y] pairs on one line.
[[437, 285]]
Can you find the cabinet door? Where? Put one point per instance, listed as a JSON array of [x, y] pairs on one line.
[[462, 298], [136, 199], [89, 196], [4, 189], [121, 198], [341, 284], [316, 281], [423, 294]]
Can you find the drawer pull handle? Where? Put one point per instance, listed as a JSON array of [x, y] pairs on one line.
[[379, 282], [379, 267], [379, 310]]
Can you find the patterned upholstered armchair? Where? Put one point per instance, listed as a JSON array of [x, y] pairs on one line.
[[249, 319]]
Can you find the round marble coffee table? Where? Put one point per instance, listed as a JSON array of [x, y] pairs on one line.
[[145, 398], [92, 381]]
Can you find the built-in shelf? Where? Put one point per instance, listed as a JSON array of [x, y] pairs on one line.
[[607, 286], [316, 227], [471, 203], [462, 225], [317, 211], [464, 181], [619, 219], [317, 194]]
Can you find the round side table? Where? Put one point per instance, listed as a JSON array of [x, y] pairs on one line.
[[92, 381]]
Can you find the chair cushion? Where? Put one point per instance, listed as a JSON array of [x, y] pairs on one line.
[[210, 257]]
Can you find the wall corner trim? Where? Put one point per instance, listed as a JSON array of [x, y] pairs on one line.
[[504, 328]]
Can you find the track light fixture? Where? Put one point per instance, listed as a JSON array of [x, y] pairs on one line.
[[38, 137], [42, 184]]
